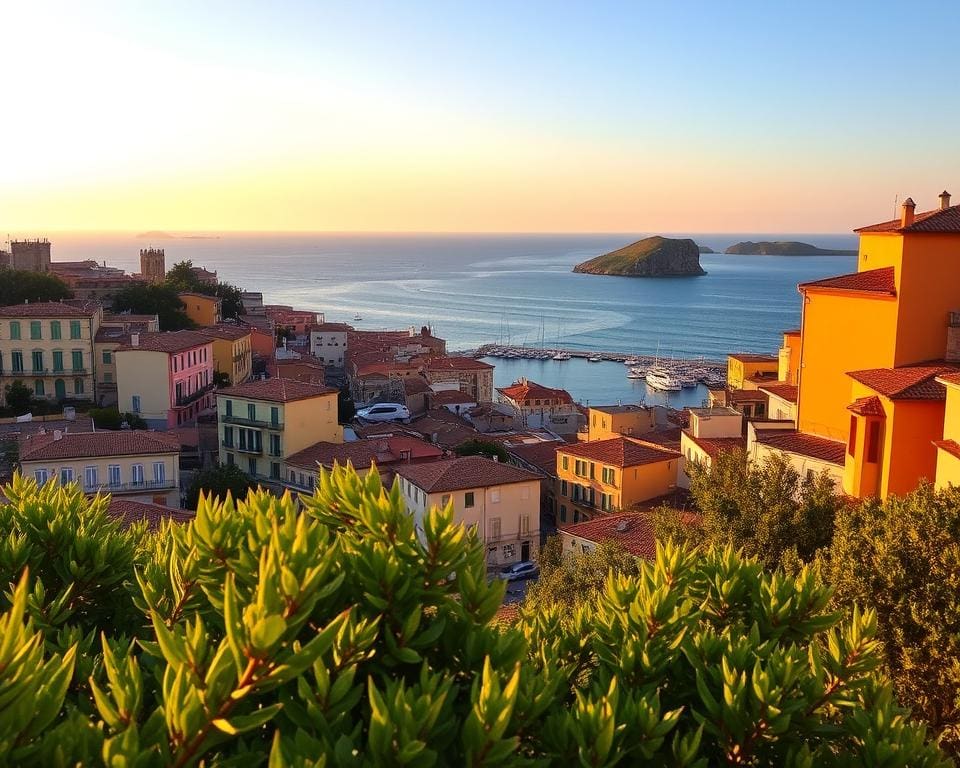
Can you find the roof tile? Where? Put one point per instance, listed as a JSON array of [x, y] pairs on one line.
[[880, 281], [937, 220], [804, 444], [276, 390], [917, 382], [620, 452], [463, 473], [78, 445]]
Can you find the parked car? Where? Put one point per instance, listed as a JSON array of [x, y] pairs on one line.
[[384, 412], [522, 570]]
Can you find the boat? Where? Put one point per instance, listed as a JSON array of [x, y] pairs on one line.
[[561, 356], [357, 317], [662, 379], [631, 361], [688, 381], [595, 359], [633, 373]]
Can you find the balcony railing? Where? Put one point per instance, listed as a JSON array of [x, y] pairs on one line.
[[145, 485], [194, 396], [245, 422], [248, 449]]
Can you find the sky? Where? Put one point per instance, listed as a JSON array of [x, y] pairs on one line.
[[474, 117]]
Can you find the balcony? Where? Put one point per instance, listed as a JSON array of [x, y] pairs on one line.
[[244, 422], [141, 487], [193, 396], [251, 450]]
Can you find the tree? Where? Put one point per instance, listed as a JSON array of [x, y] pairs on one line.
[[111, 418], [161, 300], [338, 631], [182, 278], [218, 482], [231, 303], [477, 447], [18, 286], [19, 397], [346, 408]]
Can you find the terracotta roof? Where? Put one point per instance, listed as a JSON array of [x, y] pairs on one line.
[[195, 295], [950, 378], [276, 390], [616, 409], [450, 397], [49, 309], [79, 445], [867, 406], [530, 390], [129, 512], [363, 453], [950, 446], [167, 341], [620, 452], [415, 385], [907, 383], [230, 332], [792, 332], [788, 392], [938, 220], [663, 438], [331, 327], [463, 473], [879, 281], [456, 364], [750, 358], [542, 455], [714, 446], [745, 395], [632, 531], [804, 444]]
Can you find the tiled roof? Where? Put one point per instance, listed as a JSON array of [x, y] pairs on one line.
[[462, 474], [195, 295], [749, 358], [632, 531], [415, 385], [714, 446], [918, 382], [542, 455], [363, 453], [745, 396], [530, 390], [950, 378], [879, 281], [788, 392], [938, 220], [79, 445], [276, 390], [450, 397], [804, 444], [617, 409], [867, 406], [49, 309], [792, 332], [456, 364], [167, 341], [331, 327], [663, 438], [129, 512], [620, 452], [950, 446], [229, 332]]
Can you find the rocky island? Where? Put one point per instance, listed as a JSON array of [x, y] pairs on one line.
[[651, 257], [784, 248]]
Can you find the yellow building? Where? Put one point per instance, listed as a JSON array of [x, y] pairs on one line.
[[114, 332], [138, 465], [608, 421], [789, 357], [500, 501], [232, 351], [604, 476], [712, 431], [261, 423], [49, 347], [781, 401], [202, 309], [750, 371], [948, 448]]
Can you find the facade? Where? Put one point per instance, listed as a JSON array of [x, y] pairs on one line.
[[808, 454], [781, 401], [500, 501], [608, 421], [114, 332], [201, 309], [540, 407], [27, 255], [153, 265], [49, 346], [328, 342], [712, 431], [297, 320], [138, 465], [232, 351], [166, 378], [262, 423], [789, 358], [632, 531], [948, 447], [605, 476], [472, 376], [746, 371]]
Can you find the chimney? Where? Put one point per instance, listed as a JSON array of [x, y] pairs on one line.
[[944, 200], [908, 207], [134, 339]]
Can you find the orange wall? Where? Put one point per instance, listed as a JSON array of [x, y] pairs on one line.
[[880, 250], [602, 425], [909, 453], [630, 486]]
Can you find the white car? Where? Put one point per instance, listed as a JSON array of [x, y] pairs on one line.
[[522, 570], [384, 412]]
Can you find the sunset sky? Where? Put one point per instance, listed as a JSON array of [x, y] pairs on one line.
[[509, 117]]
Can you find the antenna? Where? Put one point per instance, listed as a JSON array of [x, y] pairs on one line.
[[896, 199]]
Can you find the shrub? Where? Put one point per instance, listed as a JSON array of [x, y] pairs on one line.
[[489, 448]]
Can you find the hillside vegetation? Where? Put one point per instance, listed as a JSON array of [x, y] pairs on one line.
[[651, 257]]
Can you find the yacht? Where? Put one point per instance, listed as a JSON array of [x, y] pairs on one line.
[[595, 359], [636, 373], [560, 356], [661, 378], [631, 361], [357, 317], [688, 381]]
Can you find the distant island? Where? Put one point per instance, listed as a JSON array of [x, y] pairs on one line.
[[705, 249], [785, 248], [158, 235], [651, 257]]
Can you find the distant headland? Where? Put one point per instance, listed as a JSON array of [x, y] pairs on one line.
[[784, 248], [651, 257], [158, 235]]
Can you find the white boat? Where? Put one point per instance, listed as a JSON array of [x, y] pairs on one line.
[[631, 361], [662, 379], [595, 359], [561, 356], [688, 381], [357, 317], [633, 373]]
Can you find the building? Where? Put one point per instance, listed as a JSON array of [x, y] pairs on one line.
[[454, 400], [305, 368], [299, 321], [139, 465], [541, 457], [608, 421], [808, 454], [500, 501], [49, 346], [789, 358], [632, 531], [474, 377], [540, 407], [604, 476], [252, 302], [328, 342], [114, 332], [153, 265], [749, 371], [712, 431], [91, 281], [27, 255], [262, 423], [166, 378], [781, 401], [204, 275], [232, 351], [752, 402], [948, 448], [201, 309]]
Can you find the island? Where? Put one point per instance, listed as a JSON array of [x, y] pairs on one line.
[[784, 248], [651, 257], [705, 249], [157, 235]]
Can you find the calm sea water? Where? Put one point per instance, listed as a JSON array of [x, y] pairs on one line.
[[476, 289]]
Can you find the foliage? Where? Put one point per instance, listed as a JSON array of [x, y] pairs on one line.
[[181, 277], [903, 557], [346, 408], [340, 632], [18, 396], [284, 333], [18, 286], [478, 447], [159, 299], [218, 482], [111, 418], [765, 508]]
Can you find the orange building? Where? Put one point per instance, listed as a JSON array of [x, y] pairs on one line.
[[948, 449], [202, 309], [872, 346]]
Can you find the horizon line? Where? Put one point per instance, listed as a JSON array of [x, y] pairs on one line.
[[189, 233]]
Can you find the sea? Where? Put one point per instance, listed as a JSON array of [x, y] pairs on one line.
[[475, 289]]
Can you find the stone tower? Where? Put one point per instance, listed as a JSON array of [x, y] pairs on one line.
[[30, 255], [153, 267]]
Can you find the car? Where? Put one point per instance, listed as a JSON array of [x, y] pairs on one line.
[[522, 570], [384, 412]]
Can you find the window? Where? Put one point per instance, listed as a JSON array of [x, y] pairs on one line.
[[275, 445], [591, 471], [524, 524], [57, 360], [608, 475], [15, 330], [444, 500], [494, 527], [135, 403], [873, 442], [35, 332], [509, 551], [563, 487], [525, 493], [275, 416], [228, 437], [136, 474], [274, 470], [606, 502], [38, 388], [159, 473], [54, 329], [77, 357], [230, 460], [563, 513], [74, 329], [66, 475], [78, 386], [468, 499], [107, 357], [228, 404], [38, 360], [113, 475], [252, 466], [90, 478], [40, 475], [852, 444], [565, 462], [251, 411], [495, 496], [16, 360], [107, 377]]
